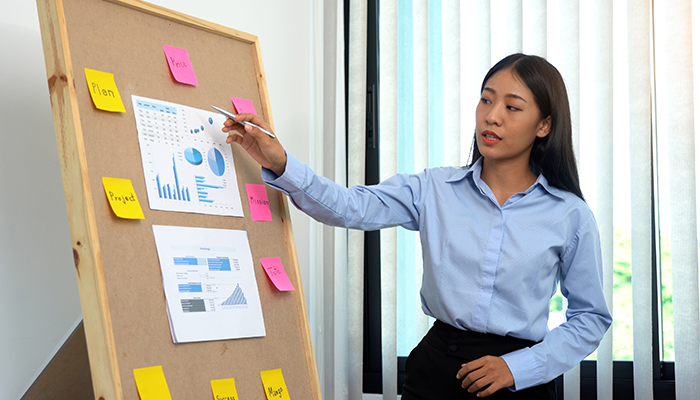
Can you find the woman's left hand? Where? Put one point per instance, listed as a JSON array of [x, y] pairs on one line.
[[485, 376]]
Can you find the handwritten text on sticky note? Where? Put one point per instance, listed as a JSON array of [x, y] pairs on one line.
[[103, 90], [259, 204], [122, 198], [243, 106], [274, 269], [180, 65], [224, 389], [273, 382], [151, 384]]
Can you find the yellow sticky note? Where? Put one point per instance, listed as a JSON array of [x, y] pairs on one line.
[[103, 90], [273, 382], [151, 383], [224, 389], [122, 198]]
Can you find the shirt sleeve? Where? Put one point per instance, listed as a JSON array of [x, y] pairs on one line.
[[587, 315], [390, 203]]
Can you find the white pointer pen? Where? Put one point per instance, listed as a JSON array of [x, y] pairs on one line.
[[232, 116]]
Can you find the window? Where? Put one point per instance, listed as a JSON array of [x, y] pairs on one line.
[[618, 219]]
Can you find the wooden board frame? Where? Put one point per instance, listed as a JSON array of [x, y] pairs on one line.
[[82, 157]]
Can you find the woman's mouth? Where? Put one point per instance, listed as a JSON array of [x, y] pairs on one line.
[[490, 137]]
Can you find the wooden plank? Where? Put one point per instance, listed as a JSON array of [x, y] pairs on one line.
[[79, 202], [178, 17]]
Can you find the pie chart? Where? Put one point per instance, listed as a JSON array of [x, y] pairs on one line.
[[216, 162], [193, 156]]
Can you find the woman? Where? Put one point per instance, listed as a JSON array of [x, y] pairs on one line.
[[497, 236]]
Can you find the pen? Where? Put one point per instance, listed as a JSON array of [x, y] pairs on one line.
[[232, 116]]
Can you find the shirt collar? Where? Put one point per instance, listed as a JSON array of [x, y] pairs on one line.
[[475, 172]]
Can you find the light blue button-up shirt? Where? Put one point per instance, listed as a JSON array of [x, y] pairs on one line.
[[486, 267]]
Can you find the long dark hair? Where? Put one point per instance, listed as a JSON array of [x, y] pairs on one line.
[[553, 155]]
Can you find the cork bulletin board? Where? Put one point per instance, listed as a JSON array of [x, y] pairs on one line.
[[121, 287]]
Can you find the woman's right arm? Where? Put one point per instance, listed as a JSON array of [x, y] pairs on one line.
[[391, 203]]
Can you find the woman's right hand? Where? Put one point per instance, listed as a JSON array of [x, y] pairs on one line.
[[267, 151]]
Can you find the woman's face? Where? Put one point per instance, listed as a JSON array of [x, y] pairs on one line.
[[508, 119]]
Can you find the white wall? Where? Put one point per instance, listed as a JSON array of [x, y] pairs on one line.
[[39, 302]]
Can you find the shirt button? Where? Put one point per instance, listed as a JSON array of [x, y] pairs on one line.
[[453, 348]]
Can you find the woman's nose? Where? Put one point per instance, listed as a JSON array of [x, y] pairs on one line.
[[494, 116]]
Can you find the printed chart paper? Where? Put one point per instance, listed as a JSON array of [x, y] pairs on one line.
[[187, 164], [210, 287]]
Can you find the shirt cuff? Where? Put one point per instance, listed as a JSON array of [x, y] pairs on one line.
[[523, 366], [290, 178]]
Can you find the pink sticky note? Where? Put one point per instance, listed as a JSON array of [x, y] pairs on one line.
[[180, 65], [274, 269], [259, 205], [243, 106]]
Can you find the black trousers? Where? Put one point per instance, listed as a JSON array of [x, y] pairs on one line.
[[431, 368]]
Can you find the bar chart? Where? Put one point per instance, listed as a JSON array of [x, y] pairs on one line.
[[237, 298], [173, 193]]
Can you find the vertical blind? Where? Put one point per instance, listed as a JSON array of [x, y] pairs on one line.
[[433, 55], [684, 239], [357, 96], [602, 55], [388, 165], [640, 147]]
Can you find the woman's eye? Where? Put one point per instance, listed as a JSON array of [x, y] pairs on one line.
[[485, 100], [511, 108]]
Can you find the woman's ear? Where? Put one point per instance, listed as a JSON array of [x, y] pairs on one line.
[[544, 127]]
